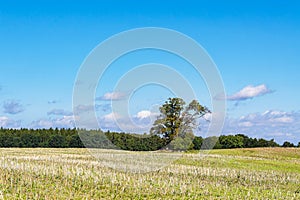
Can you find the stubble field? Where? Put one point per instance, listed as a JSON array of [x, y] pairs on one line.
[[261, 173]]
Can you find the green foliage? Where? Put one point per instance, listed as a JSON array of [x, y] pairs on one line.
[[197, 143], [211, 142], [253, 142], [182, 143], [176, 119], [56, 141], [78, 138], [31, 138], [231, 141], [288, 144], [27, 140], [75, 141], [135, 142], [60, 138]]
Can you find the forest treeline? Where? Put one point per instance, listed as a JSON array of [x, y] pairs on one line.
[[79, 138]]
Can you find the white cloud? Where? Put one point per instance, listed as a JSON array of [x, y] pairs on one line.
[[275, 124], [139, 123], [112, 96], [62, 122], [42, 123], [270, 117], [108, 122], [3, 121], [111, 116], [282, 120], [65, 121], [208, 116], [9, 123], [143, 114], [246, 124], [249, 92]]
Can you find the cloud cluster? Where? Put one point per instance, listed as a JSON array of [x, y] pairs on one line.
[[59, 112], [270, 117], [9, 123], [270, 124], [111, 117], [12, 107], [112, 96], [62, 122], [138, 123]]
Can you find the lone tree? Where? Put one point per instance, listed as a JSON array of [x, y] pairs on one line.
[[178, 119]]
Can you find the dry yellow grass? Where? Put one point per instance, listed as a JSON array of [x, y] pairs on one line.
[[266, 173]]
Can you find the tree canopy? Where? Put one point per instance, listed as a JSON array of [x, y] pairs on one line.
[[177, 119], [75, 138]]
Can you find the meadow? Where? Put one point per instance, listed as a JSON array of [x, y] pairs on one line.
[[65, 173]]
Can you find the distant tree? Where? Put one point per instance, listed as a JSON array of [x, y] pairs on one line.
[[75, 141], [127, 141], [182, 143], [6, 139], [247, 141], [272, 143], [29, 140], [298, 144], [262, 143], [231, 141], [56, 141], [211, 143], [176, 119], [197, 143], [288, 144], [16, 142]]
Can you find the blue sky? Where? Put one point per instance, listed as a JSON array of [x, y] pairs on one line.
[[255, 45]]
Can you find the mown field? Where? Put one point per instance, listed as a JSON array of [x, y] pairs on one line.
[[261, 173]]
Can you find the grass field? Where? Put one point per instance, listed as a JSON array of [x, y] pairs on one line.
[[262, 173]]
